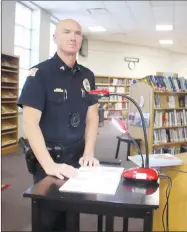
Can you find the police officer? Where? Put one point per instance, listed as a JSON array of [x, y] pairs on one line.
[[60, 118]]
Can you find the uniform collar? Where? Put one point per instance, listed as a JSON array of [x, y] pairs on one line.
[[62, 66]]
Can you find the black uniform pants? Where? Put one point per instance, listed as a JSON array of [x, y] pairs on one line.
[[52, 220]]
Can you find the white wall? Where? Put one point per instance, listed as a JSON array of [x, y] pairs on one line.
[[44, 36], [8, 25], [107, 58]]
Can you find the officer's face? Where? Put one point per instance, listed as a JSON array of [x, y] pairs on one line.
[[68, 37]]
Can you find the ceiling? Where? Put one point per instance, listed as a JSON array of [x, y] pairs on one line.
[[131, 22]]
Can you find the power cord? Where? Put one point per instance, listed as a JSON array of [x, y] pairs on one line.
[[166, 207]]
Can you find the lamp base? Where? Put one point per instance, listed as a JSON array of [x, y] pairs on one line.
[[144, 175]]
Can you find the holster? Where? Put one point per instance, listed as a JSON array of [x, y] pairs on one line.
[[30, 158]]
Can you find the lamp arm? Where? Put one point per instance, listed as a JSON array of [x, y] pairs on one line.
[[143, 125], [138, 148]]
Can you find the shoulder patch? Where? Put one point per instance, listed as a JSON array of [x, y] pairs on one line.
[[32, 72]]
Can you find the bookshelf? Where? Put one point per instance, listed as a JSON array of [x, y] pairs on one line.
[[9, 110], [166, 108], [114, 106]]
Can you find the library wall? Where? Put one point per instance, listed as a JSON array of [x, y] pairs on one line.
[[179, 61], [107, 58]]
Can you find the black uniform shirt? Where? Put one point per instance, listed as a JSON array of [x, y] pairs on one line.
[[58, 91]]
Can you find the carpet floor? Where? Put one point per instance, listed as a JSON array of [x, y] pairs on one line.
[[16, 210]]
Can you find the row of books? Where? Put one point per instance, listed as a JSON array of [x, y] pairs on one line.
[[117, 81], [170, 150], [171, 118], [166, 83], [181, 101], [169, 135]]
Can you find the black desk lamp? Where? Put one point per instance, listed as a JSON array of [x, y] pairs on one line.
[[140, 174]]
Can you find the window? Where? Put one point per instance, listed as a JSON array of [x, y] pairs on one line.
[[52, 48], [22, 40]]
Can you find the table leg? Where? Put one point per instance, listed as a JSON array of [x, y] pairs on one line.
[[73, 221], [117, 150], [100, 223], [125, 224], [109, 223], [36, 219], [148, 222]]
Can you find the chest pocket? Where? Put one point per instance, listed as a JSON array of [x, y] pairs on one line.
[[57, 97]]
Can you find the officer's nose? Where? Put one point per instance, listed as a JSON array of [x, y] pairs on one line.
[[72, 36]]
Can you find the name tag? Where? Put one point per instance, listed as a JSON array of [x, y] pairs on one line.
[[58, 90]]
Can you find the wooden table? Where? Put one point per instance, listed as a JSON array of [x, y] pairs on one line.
[[178, 197]]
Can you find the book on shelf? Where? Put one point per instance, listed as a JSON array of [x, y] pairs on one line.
[[166, 83], [182, 101], [161, 136]]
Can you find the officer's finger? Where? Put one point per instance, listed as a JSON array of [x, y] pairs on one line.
[[81, 161], [60, 176], [86, 162], [91, 163]]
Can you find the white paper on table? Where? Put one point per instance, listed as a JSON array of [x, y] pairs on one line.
[[98, 180]]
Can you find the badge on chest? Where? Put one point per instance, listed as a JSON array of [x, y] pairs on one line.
[[86, 85]]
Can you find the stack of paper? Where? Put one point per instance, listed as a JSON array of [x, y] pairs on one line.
[[98, 180]]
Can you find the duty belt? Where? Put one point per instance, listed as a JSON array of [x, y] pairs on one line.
[[66, 153]]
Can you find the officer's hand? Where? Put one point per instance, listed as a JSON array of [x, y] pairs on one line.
[[87, 160], [61, 171]]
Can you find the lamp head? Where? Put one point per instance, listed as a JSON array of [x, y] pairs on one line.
[[119, 125]]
